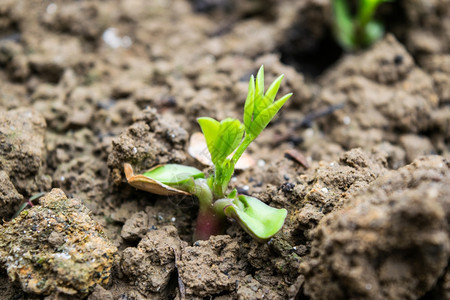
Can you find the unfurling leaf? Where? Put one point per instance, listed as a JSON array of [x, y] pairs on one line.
[[263, 119], [260, 108], [197, 147], [221, 138], [230, 136], [261, 102], [273, 89], [249, 103], [210, 129]]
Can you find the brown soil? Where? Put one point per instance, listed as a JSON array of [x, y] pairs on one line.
[[89, 85]]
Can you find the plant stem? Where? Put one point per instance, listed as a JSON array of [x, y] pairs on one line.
[[209, 220], [201, 190], [217, 182], [208, 223]]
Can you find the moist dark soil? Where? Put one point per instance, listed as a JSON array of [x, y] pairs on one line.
[[359, 156]]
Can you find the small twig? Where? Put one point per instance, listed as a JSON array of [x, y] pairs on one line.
[[181, 286], [306, 122], [309, 118], [297, 156]]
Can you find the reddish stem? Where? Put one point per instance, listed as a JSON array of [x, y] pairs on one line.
[[208, 224]]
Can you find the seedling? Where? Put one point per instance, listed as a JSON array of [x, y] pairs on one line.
[[28, 203], [359, 31], [226, 141]]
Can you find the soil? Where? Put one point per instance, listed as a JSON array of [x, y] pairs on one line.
[[359, 156]]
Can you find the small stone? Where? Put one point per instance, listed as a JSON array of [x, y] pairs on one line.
[[56, 239], [100, 293], [67, 252], [135, 227]]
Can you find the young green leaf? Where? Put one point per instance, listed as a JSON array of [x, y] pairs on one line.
[[229, 137], [343, 24], [261, 102], [366, 9], [273, 89], [259, 106], [249, 103], [354, 32], [221, 138], [263, 119], [257, 218], [210, 129]]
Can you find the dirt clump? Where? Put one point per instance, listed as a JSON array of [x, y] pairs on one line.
[[427, 31], [100, 293], [22, 150], [87, 20], [250, 288], [84, 177], [135, 227], [11, 14], [384, 96], [56, 247], [13, 59], [150, 265], [389, 241], [148, 142], [323, 190], [209, 267], [438, 65], [9, 197]]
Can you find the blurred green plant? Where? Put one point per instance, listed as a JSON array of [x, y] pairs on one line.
[[358, 31], [226, 142], [28, 203]]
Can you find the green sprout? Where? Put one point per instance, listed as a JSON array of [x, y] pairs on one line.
[[28, 203], [226, 141], [359, 31]]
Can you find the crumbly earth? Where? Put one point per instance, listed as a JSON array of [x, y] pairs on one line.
[[428, 28], [151, 264], [22, 151], [208, 267], [148, 142], [9, 197], [89, 85], [397, 117], [390, 241]]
